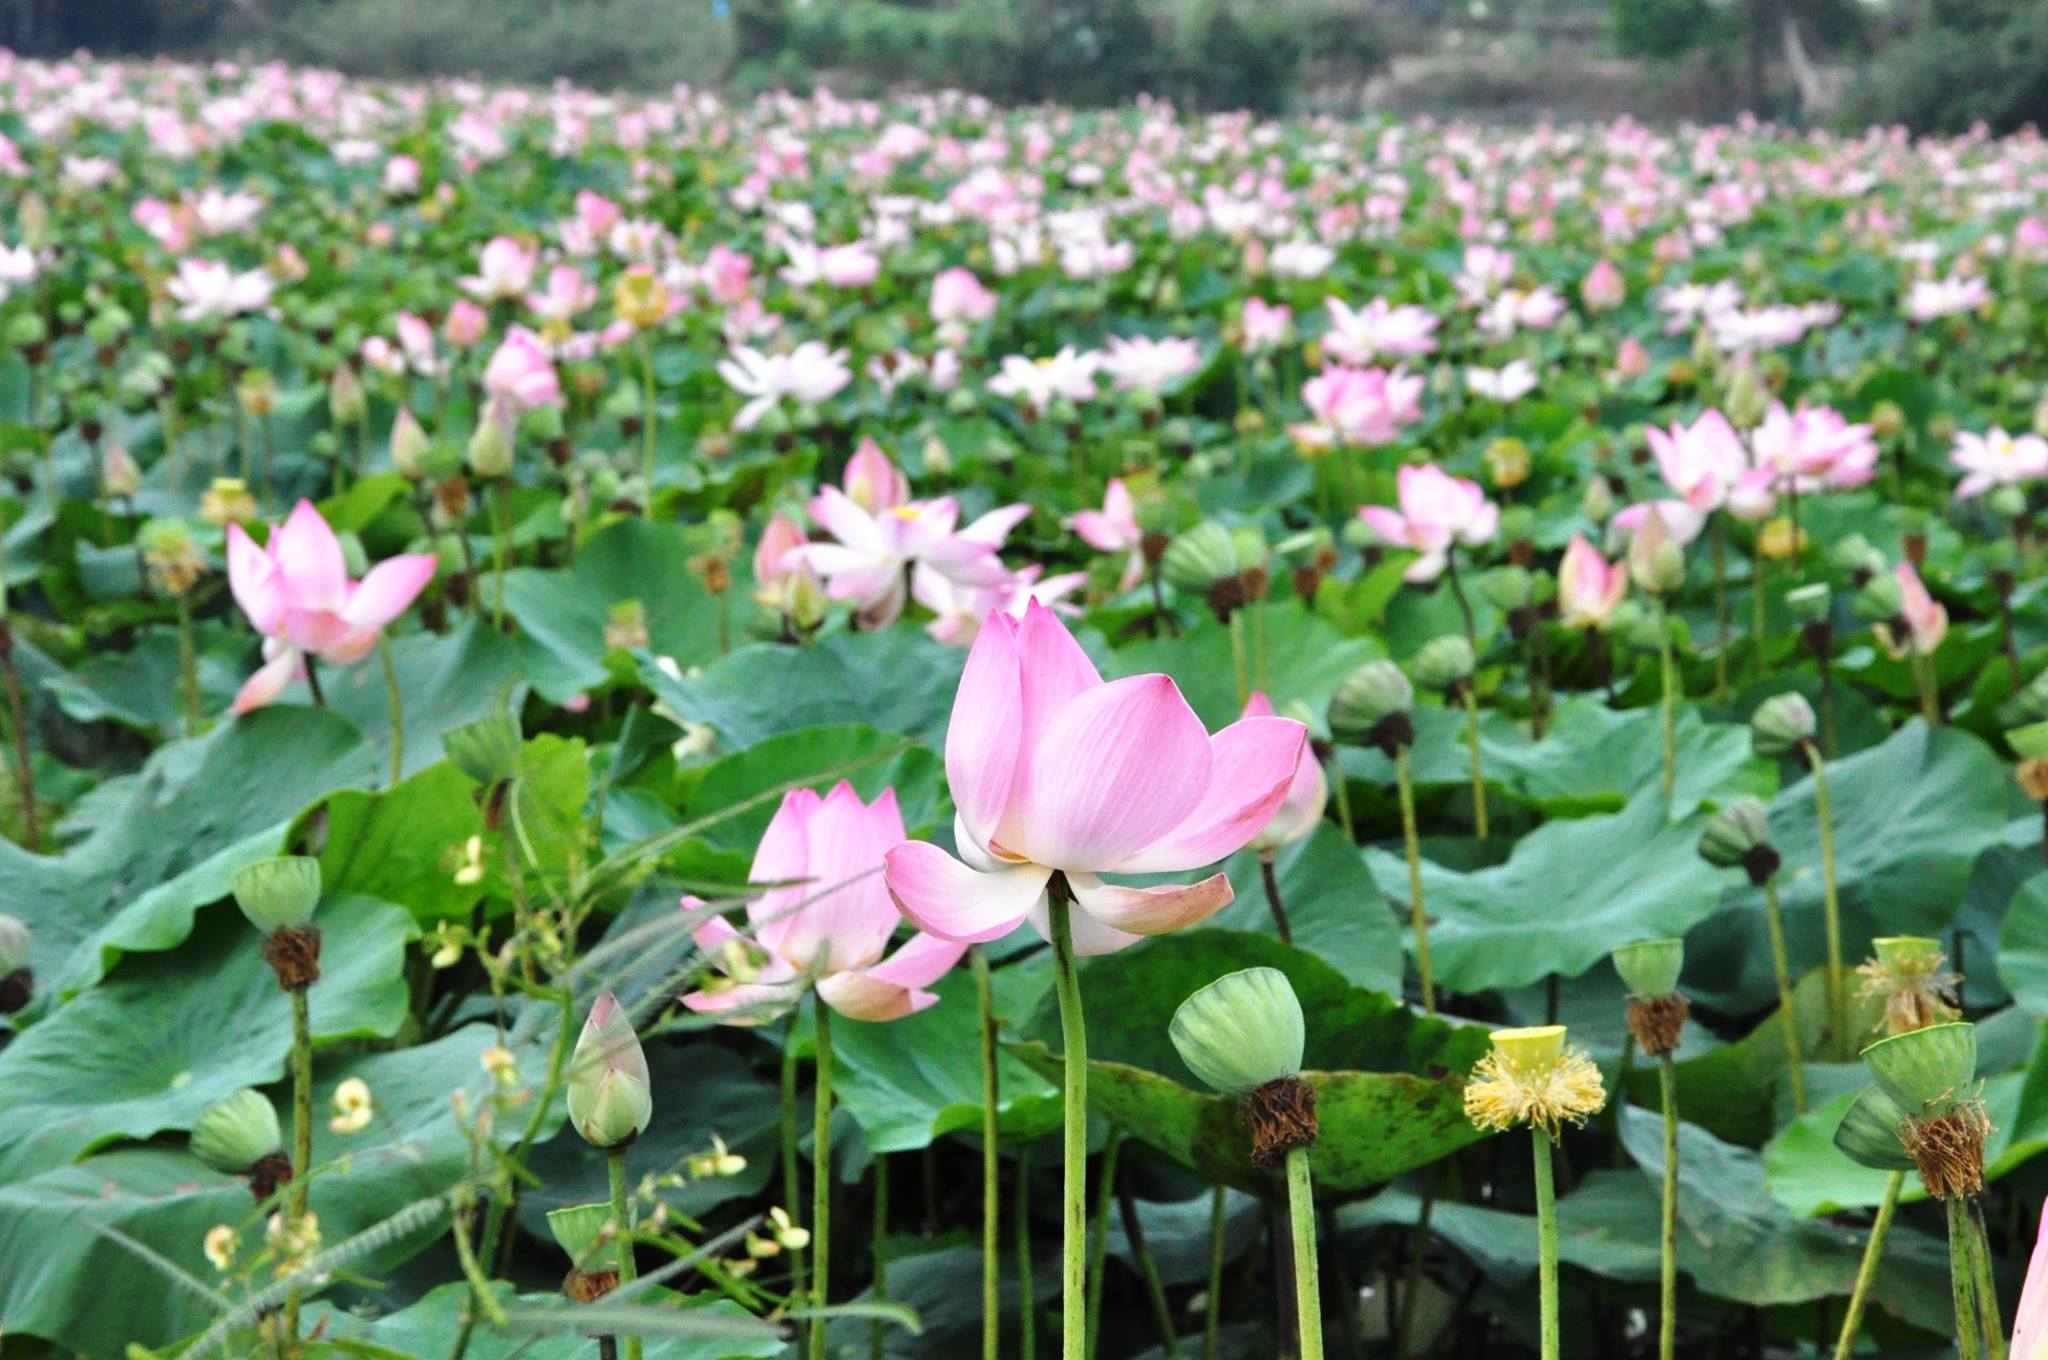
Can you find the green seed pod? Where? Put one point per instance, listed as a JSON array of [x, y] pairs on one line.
[[236, 1132], [1241, 1031], [486, 750], [578, 1229], [1869, 1133], [1925, 1068], [1650, 968], [1881, 598], [279, 893], [1903, 954], [1373, 691], [1199, 558], [1781, 723], [1855, 556], [1637, 626], [1444, 662], [1810, 603], [26, 329], [1739, 836], [1507, 589], [1249, 545], [2006, 502]]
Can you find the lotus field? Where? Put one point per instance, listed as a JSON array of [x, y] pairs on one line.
[[667, 727]]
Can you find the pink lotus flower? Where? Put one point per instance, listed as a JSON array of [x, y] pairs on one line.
[[1039, 382], [810, 374], [296, 593], [1682, 521], [1926, 620], [772, 567], [728, 275], [1301, 811], [208, 290], [958, 301], [401, 176], [828, 923], [958, 611], [1053, 770], [522, 373], [1996, 458], [848, 266], [1437, 511], [1631, 360], [1931, 299], [1815, 447], [875, 546], [505, 270], [566, 293], [2030, 1322], [1266, 325], [1364, 406], [1702, 462], [1360, 335], [1589, 587], [1603, 288], [1114, 529], [465, 325], [1141, 364], [873, 482]]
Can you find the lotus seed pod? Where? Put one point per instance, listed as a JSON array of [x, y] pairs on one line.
[[579, 1229], [1650, 968], [610, 1099], [1926, 1068], [1781, 724], [1902, 954], [1855, 556], [236, 1132], [1638, 627], [1739, 835], [1508, 589], [1444, 662], [1531, 1049], [26, 330], [486, 750], [2006, 502], [276, 894], [1371, 692], [1881, 598], [1249, 547], [1810, 603], [1241, 1031], [1199, 558], [1869, 1133]]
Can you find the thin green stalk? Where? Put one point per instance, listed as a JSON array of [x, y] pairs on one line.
[[1718, 537], [821, 1179], [622, 1222], [1098, 1237], [1259, 639], [878, 1249], [1756, 595], [1923, 681], [792, 1174], [1838, 1015], [1411, 841], [991, 1198], [1788, 1015], [499, 532], [302, 1138], [1962, 1280], [1668, 705], [473, 1271], [1991, 1321], [1237, 659], [1148, 1268], [1343, 792], [1301, 1215], [1411, 1284], [1212, 1297], [1667, 1294], [1866, 1274], [1027, 1289], [1074, 1141], [392, 699], [1478, 769], [647, 415], [188, 667], [1546, 1248]]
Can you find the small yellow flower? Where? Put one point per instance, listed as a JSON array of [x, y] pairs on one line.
[[640, 298], [227, 501], [468, 873], [760, 1248], [448, 939], [292, 1242], [220, 1246], [717, 1162], [1530, 1077], [786, 1232], [499, 1062], [1779, 540], [1508, 462], [351, 1105]]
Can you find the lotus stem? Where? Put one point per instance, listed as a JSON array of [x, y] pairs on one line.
[[821, 1179], [1962, 1277], [622, 1221], [991, 1167], [188, 666], [792, 1174], [1148, 1268], [1838, 1015], [1756, 595], [393, 700], [1237, 657], [1667, 1282], [1074, 1134], [1301, 1215], [17, 718], [1990, 1321], [1668, 704], [1866, 1274], [1342, 790], [1279, 908], [1027, 1289], [878, 1248], [1212, 1297], [302, 1139], [1418, 918], [1923, 681], [1478, 768], [1098, 1236], [1546, 1248], [1718, 541], [500, 531], [647, 416], [1411, 1284], [1788, 1015]]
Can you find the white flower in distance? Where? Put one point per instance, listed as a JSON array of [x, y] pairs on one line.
[[1142, 364], [207, 289], [810, 374], [1037, 382]]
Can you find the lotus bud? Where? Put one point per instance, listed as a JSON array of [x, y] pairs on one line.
[[805, 600], [1444, 663], [17, 981], [1908, 976], [279, 896], [409, 446], [1597, 502], [1372, 704], [1243, 1036], [1655, 561], [120, 476], [610, 1100], [1747, 400], [1530, 1077], [1656, 1009], [346, 401], [486, 750], [1810, 604], [1887, 419], [1781, 724], [1929, 1073], [1740, 835], [491, 443], [238, 1135], [2006, 502]]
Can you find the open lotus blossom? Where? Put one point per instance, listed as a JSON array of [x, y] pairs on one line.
[[206, 290], [1701, 462], [873, 482], [959, 301], [1267, 325], [1140, 363], [1509, 383], [1589, 587], [1437, 511], [1363, 406], [1362, 334], [1925, 618], [846, 266], [1815, 448], [1931, 299], [958, 611], [809, 374], [1301, 811], [1681, 521], [504, 271], [1037, 383], [826, 923], [522, 373], [296, 593], [1114, 529], [1996, 458], [1054, 770]]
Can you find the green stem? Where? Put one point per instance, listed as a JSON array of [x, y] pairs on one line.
[[1098, 1236], [1343, 791], [1838, 1016], [1027, 1288], [1074, 1141], [1212, 1298], [792, 1174], [1259, 639], [1237, 661], [1756, 596], [1990, 1321], [1411, 1284], [1719, 541], [1412, 843], [473, 1271], [302, 1138], [821, 1179], [188, 667], [1962, 1280], [991, 1199], [1668, 706], [1788, 1014], [1301, 1215], [1866, 1274], [1923, 680], [1478, 769], [647, 415], [1148, 1268], [1667, 1330], [392, 698], [1546, 1247], [499, 532], [878, 1250], [622, 1222]]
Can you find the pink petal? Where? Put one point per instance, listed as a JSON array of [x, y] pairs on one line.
[[846, 521], [2030, 1322], [756, 1002], [993, 527], [1118, 768], [1150, 911], [1253, 762], [986, 729], [267, 683], [1386, 524], [1096, 530], [892, 990], [1052, 668], [1091, 937], [255, 582], [309, 556], [391, 585], [943, 897]]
